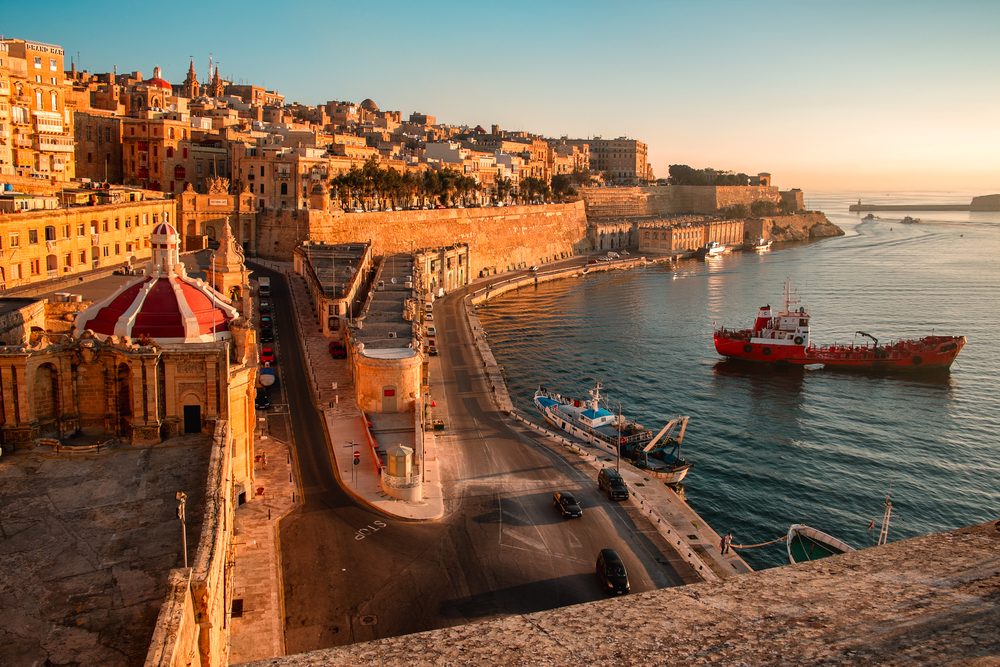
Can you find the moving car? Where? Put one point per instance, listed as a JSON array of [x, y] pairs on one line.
[[568, 507], [263, 399], [432, 350], [610, 481], [611, 572], [267, 355]]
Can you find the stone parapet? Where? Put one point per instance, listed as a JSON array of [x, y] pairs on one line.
[[611, 202]]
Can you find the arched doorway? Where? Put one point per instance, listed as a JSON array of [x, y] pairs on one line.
[[123, 395], [46, 398]]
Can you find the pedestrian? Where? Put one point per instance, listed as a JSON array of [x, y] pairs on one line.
[[727, 542]]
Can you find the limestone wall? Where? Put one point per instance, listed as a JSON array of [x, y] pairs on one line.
[[608, 202], [374, 377], [498, 238], [803, 226]]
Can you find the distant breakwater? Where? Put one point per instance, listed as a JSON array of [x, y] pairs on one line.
[[987, 203]]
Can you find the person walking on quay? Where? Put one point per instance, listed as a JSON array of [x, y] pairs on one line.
[[725, 543]]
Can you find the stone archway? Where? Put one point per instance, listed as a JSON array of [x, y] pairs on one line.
[[123, 396], [45, 399]]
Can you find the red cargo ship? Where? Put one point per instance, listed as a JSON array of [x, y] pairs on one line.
[[783, 338]]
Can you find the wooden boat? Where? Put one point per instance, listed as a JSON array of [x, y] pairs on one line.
[[805, 543]]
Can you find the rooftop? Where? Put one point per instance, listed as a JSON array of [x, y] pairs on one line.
[[88, 541]]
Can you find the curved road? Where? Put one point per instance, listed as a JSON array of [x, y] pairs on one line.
[[501, 548]]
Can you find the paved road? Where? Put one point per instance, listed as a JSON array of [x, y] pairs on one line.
[[500, 549]]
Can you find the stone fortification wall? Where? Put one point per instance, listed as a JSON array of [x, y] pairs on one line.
[[498, 238], [931, 600], [611, 202]]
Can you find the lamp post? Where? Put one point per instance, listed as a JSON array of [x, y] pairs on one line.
[[181, 502], [618, 448]]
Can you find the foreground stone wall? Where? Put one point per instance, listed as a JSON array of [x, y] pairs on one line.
[[498, 238], [931, 600]]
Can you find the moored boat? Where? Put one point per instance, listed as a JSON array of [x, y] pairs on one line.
[[588, 421], [805, 543], [760, 245], [783, 338], [712, 249]]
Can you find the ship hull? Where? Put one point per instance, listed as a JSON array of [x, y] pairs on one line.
[[931, 353]]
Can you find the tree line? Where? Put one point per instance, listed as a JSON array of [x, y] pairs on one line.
[[682, 174]]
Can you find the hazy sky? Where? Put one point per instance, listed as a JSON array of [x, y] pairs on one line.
[[867, 95]]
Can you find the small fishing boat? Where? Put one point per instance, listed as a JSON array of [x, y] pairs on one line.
[[712, 249], [760, 245], [910, 221], [870, 217], [806, 543]]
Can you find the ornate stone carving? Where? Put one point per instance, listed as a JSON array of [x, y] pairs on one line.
[[217, 185]]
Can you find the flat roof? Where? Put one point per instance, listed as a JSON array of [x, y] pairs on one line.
[[89, 539], [10, 304]]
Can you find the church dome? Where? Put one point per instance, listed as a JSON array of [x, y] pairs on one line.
[[157, 81], [369, 105], [167, 305]]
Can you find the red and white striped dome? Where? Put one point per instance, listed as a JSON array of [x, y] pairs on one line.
[[167, 305]]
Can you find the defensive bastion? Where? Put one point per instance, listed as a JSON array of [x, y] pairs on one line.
[[498, 238]]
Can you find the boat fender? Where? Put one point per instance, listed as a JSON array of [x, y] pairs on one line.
[[766, 351], [917, 360], [748, 348], [799, 340]]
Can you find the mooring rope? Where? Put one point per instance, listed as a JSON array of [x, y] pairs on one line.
[[762, 544]]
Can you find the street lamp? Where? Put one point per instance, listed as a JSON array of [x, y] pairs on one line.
[[181, 501], [618, 448]]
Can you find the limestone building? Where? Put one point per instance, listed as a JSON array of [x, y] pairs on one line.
[[36, 127]]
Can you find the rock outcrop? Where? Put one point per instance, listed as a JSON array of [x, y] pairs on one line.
[[988, 203], [806, 226]]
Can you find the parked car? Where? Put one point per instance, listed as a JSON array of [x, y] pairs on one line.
[[267, 336], [431, 331], [337, 350], [610, 481], [266, 322], [567, 505], [267, 355], [533, 268], [263, 399], [428, 315], [265, 307], [432, 350], [611, 572]]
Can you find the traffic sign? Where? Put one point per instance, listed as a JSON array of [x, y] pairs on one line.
[[357, 454], [357, 461]]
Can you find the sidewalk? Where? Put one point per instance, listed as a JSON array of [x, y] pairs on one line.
[[258, 632], [347, 428]]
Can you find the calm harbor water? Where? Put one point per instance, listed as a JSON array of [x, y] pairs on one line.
[[816, 447]]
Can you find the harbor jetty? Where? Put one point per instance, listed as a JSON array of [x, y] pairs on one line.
[[988, 203]]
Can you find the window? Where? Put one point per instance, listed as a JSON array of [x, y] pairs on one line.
[[184, 152], [171, 133], [145, 218], [118, 223], [118, 249], [170, 151], [262, 188], [104, 226], [38, 62], [81, 230], [50, 233], [52, 64], [284, 188], [90, 158], [32, 236], [83, 256], [261, 170], [55, 101], [15, 271], [106, 251], [156, 218], [38, 99], [69, 259], [14, 240], [128, 222], [65, 231], [35, 266]]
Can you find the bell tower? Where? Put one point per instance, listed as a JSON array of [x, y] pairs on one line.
[[228, 274], [192, 88]]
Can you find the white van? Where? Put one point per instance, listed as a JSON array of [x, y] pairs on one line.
[[431, 331]]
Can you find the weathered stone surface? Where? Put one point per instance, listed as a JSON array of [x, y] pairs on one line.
[[985, 203], [930, 600], [803, 227]]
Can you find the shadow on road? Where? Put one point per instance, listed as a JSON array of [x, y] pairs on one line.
[[525, 598]]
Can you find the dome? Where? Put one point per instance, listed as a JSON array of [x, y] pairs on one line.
[[369, 105], [155, 80], [167, 305]]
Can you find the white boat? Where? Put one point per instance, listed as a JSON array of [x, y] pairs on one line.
[[712, 249], [588, 421], [761, 245], [805, 543]]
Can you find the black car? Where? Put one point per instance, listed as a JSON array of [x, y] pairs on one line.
[[611, 572], [265, 307], [267, 336], [263, 399], [568, 507], [610, 481], [266, 322]]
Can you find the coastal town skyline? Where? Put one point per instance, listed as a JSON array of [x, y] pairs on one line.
[[834, 103]]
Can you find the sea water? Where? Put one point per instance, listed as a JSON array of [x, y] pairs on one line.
[[773, 447]]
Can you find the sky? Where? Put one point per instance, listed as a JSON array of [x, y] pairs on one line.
[[825, 95]]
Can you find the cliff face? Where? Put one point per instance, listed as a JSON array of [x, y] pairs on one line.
[[804, 226]]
